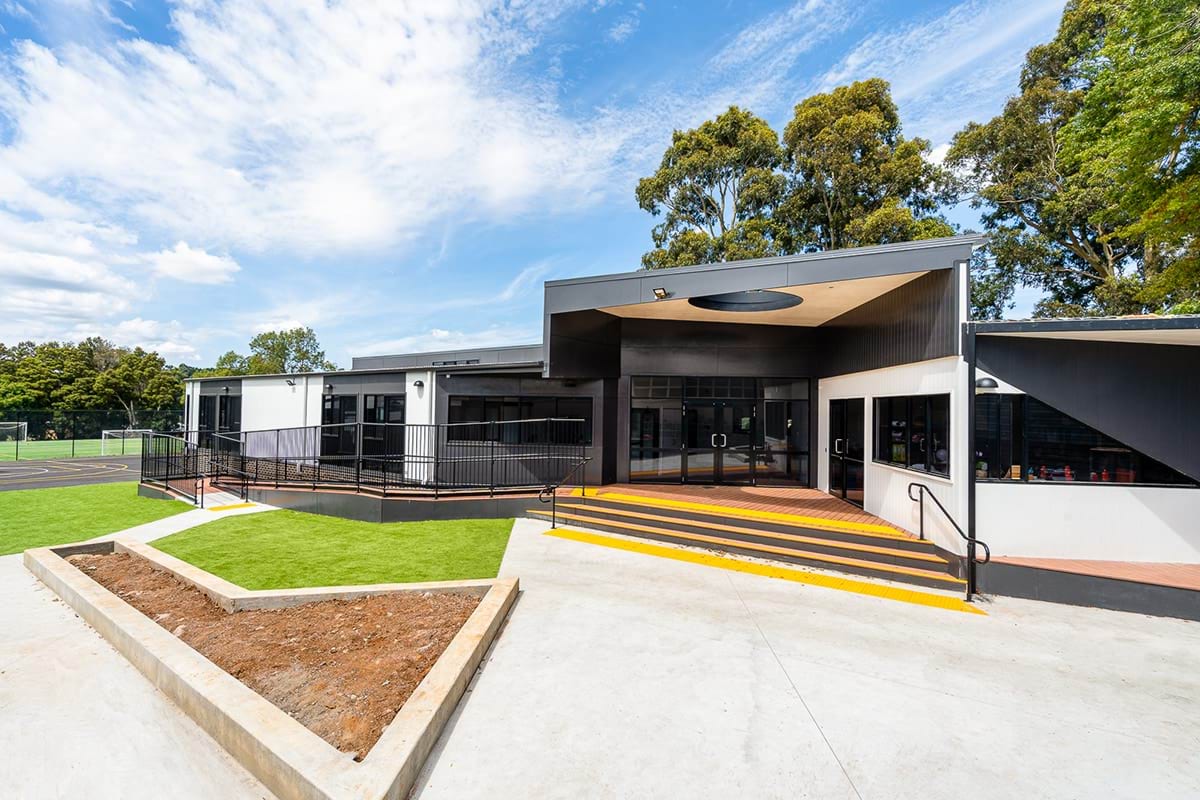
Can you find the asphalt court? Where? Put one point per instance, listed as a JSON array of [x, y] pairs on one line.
[[62, 472]]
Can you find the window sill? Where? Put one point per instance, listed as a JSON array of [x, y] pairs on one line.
[[933, 476], [1007, 482]]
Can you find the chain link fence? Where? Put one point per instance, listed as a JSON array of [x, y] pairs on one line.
[[84, 433]]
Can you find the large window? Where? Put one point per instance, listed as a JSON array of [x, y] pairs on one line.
[[914, 432], [1020, 438], [466, 408]]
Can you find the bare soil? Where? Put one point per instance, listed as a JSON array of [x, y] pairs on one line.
[[342, 668]]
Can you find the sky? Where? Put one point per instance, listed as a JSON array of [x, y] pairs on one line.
[[403, 176]]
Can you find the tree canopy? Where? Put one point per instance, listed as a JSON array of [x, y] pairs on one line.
[[853, 178], [1087, 177], [92, 374], [274, 352], [843, 175], [715, 187], [1088, 180]]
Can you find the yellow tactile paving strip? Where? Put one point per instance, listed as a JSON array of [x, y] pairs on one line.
[[231, 506], [820, 523], [867, 588]]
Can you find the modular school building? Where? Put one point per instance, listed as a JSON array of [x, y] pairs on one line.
[[854, 373]]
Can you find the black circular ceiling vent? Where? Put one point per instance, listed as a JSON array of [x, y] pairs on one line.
[[752, 300]]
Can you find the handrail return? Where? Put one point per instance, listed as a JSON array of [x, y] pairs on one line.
[[552, 490], [922, 491]]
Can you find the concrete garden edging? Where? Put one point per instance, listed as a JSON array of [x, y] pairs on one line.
[[292, 761]]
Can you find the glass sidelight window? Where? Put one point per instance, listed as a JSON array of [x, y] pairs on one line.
[[914, 432]]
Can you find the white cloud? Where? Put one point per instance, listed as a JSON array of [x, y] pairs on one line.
[[626, 25], [328, 128], [193, 266], [952, 68], [172, 340], [435, 339]]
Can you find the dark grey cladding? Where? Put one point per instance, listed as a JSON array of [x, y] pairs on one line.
[[1145, 396], [917, 321]]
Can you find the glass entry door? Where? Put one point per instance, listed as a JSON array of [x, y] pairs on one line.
[[847, 431], [718, 441]]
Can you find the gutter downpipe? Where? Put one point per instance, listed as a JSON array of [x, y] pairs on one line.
[[969, 352]]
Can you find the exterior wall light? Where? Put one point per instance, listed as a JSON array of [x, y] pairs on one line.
[[418, 384], [660, 293], [986, 383], [329, 388]]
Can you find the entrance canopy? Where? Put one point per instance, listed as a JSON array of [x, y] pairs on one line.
[[915, 285]]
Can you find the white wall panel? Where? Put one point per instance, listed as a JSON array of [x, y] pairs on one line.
[[269, 403], [886, 487], [1104, 523]]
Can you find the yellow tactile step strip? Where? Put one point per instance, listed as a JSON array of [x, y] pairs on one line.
[[736, 512], [734, 564], [825, 558], [783, 537]]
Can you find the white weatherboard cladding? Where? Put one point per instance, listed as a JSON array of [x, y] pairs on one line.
[[1103, 523], [886, 487]]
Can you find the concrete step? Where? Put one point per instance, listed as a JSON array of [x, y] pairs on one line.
[[832, 529], [859, 564], [796, 538]]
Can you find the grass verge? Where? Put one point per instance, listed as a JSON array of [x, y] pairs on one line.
[[43, 517], [291, 550]]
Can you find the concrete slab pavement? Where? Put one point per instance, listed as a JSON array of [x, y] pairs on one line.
[[625, 676], [76, 718]]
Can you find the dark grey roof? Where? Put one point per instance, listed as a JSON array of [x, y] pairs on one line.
[[478, 356], [627, 288]]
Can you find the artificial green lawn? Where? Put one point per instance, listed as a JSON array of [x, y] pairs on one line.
[[36, 450], [290, 549], [42, 517]]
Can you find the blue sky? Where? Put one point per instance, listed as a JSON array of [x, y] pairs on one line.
[[403, 175]]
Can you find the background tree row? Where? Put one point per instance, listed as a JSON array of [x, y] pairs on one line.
[[1088, 181]]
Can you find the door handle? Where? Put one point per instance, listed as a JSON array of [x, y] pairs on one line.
[[714, 441], [837, 446], [724, 440]]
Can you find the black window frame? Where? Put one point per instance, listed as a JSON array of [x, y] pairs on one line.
[[470, 408], [917, 412], [1025, 442]]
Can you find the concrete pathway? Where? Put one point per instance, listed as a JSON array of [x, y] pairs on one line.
[[77, 720], [625, 676]]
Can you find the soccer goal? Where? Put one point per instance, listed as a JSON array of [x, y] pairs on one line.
[[116, 442], [14, 431]]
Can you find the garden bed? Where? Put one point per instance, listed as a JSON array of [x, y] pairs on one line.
[[342, 668]]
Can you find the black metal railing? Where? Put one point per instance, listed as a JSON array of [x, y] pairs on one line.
[[400, 458], [550, 493], [971, 563], [175, 463]]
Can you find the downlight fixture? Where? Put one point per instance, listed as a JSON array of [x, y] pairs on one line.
[[747, 301]]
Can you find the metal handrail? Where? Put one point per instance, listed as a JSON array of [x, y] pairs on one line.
[[971, 541], [552, 490]]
